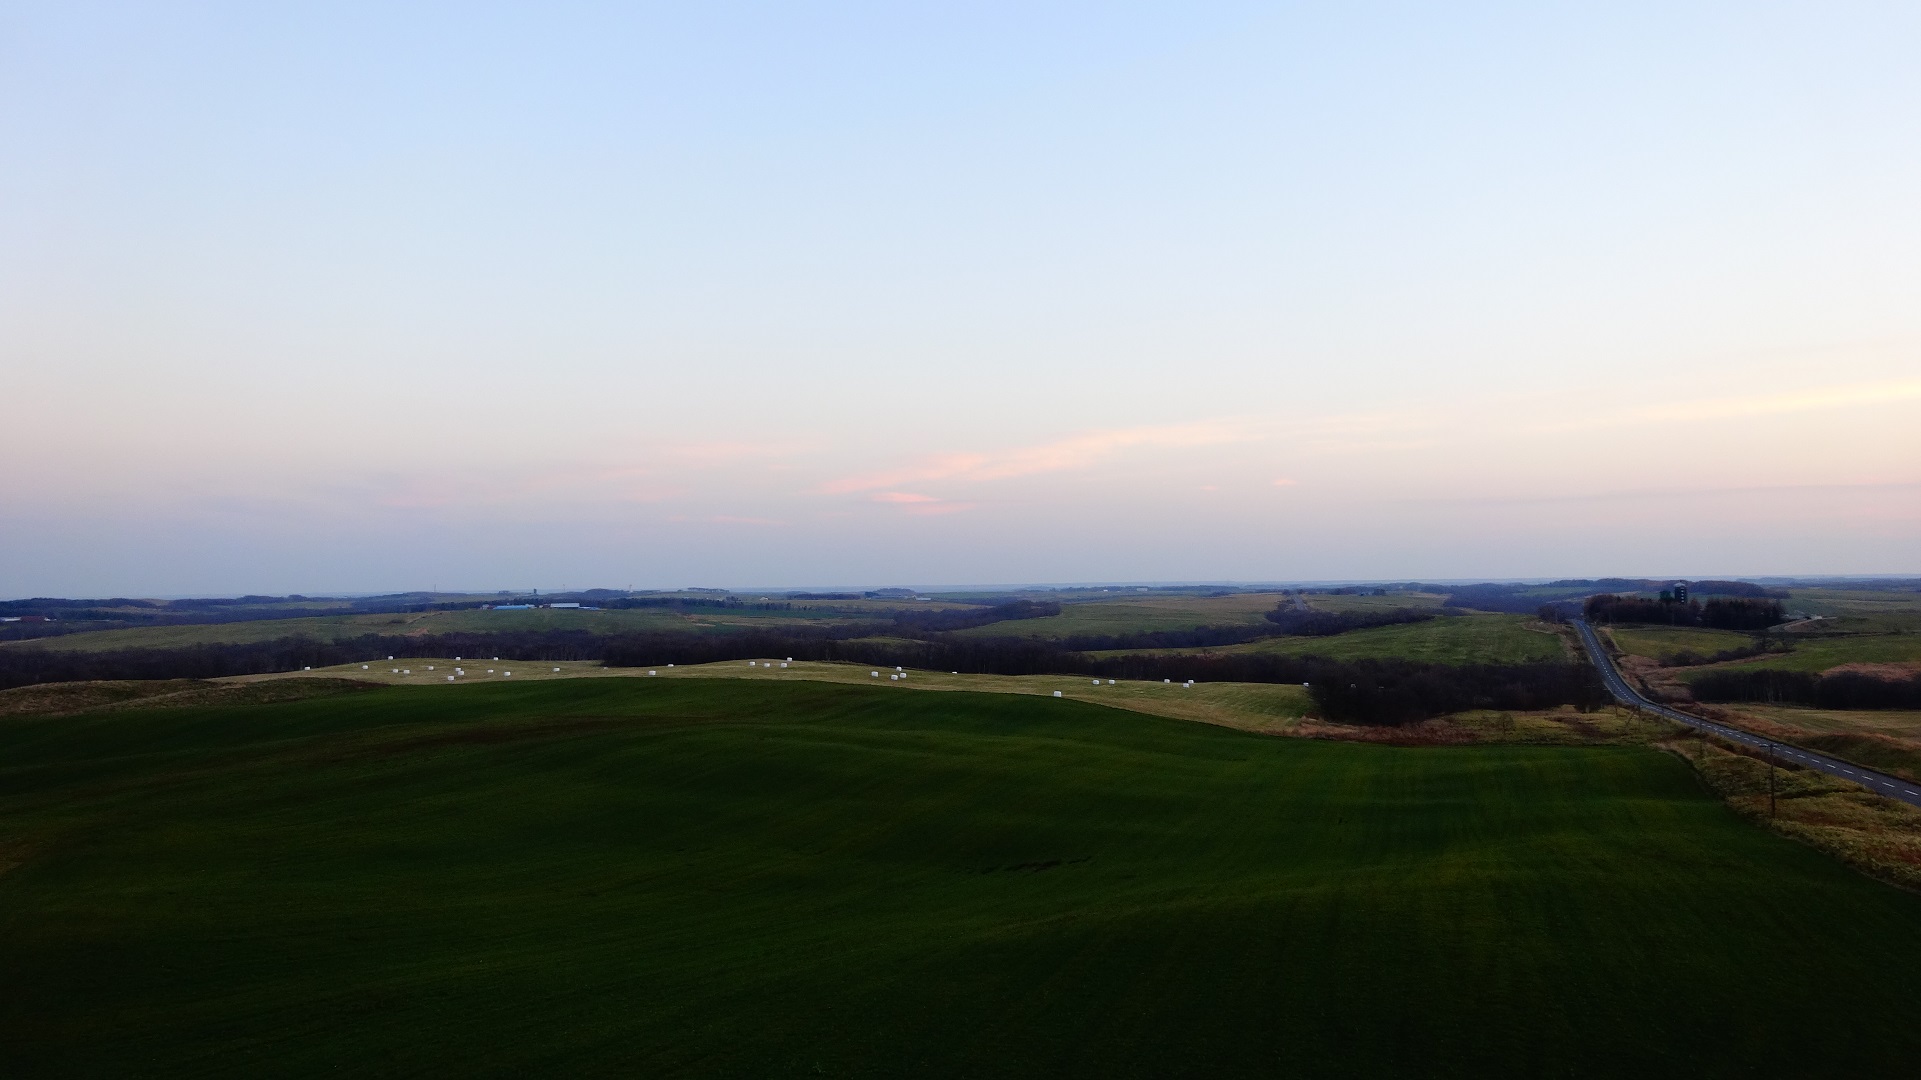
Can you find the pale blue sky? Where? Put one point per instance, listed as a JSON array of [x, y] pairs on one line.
[[359, 297]]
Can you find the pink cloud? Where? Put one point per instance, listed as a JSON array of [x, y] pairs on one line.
[[913, 502], [940, 467], [1285, 481], [1074, 452]]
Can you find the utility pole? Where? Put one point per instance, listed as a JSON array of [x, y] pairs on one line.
[[1770, 781]]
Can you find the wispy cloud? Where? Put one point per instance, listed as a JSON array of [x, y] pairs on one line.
[[1075, 452], [1734, 407], [914, 502]]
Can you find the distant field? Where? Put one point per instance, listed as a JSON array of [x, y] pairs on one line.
[[1248, 706], [1394, 602], [1656, 642], [321, 627], [1853, 601], [1863, 610], [617, 621], [1448, 639], [1885, 739], [1820, 654], [880, 606], [688, 877], [337, 627], [1137, 616], [1894, 723]]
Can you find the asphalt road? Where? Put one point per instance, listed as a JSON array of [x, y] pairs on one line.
[[1878, 782]]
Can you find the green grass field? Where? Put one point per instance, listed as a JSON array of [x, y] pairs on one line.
[[1448, 639], [1390, 602], [1820, 654], [1893, 723], [1869, 610], [1138, 616], [1656, 642], [684, 877], [339, 627]]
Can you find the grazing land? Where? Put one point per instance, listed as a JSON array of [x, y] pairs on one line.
[[1446, 639], [1894, 723], [1659, 642], [1248, 706], [345, 627], [1103, 617], [1885, 739], [1861, 609], [1393, 601], [1819, 654], [684, 876]]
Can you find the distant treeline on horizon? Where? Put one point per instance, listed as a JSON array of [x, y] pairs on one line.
[[1520, 598]]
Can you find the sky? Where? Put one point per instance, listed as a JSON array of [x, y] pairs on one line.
[[352, 297]]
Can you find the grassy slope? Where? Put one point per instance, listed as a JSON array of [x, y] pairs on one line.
[[1895, 723], [1820, 654], [1861, 609], [1134, 616], [1390, 602], [1656, 642], [1462, 639], [689, 877], [1452, 639], [1248, 706], [1885, 739]]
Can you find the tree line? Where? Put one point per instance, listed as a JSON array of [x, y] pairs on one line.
[[1302, 621], [1720, 613], [1840, 690], [943, 620]]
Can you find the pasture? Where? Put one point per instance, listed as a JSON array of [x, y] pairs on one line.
[[694, 877], [1885, 739], [1819, 654], [1446, 639], [1248, 706], [1393, 601], [1659, 642], [1872, 610], [1891, 723], [1138, 615], [344, 627]]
